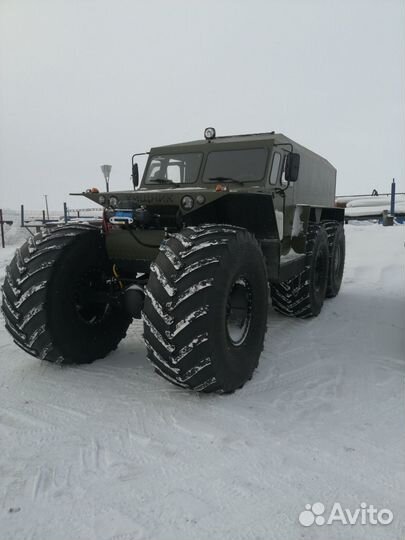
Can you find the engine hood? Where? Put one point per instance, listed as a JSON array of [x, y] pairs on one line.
[[165, 196]]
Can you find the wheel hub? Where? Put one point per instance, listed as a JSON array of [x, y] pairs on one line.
[[91, 299], [239, 312]]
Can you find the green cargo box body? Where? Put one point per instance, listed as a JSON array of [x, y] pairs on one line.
[[316, 185]]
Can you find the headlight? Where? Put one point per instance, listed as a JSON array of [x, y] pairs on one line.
[[200, 199], [187, 202], [113, 202], [101, 199], [209, 133]]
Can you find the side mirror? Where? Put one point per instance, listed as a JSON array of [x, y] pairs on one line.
[[135, 175], [292, 167]]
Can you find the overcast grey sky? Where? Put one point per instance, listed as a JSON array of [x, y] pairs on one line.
[[86, 82]]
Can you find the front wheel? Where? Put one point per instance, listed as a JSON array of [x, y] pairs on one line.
[[205, 308], [57, 297]]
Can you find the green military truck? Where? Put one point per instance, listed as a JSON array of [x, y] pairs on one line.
[[213, 229]]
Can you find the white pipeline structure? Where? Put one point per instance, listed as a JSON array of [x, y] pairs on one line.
[[370, 206]]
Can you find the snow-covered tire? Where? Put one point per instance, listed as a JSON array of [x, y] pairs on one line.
[[44, 297], [303, 295], [337, 252], [205, 308]]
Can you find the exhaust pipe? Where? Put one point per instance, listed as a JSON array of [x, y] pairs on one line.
[[134, 298]]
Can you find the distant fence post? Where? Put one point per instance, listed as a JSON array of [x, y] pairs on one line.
[[2, 222], [393, 197], [22, 216], [65, 212], [2, 228]]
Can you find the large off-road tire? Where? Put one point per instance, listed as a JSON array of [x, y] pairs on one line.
[[205, 308], [50, 301], [337, 252], [303, 295]]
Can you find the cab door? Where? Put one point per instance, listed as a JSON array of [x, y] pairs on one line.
[[276, 167], [283, 198]]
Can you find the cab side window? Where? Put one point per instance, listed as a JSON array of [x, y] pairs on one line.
[[275, 167], [283, 181]]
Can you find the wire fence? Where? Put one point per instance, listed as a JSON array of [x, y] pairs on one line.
[[35, 220], [45, 218]]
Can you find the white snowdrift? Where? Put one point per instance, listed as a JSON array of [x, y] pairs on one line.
[[110, 451]]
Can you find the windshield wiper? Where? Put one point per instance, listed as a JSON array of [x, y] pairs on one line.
[[162, 181], [225, 179]]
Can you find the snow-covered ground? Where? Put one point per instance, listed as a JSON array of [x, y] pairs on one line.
[[111, 451]]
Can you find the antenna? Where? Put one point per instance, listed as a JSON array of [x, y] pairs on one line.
[[106, 171]]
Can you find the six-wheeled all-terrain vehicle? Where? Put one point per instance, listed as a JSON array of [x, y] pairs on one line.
[[214, 227]]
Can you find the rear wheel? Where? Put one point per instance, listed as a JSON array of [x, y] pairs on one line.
[[303, 295], [57, 297], [337, 252], [205, 308]]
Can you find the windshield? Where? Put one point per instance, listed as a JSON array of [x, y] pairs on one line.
[[247, 165], [173, 169]]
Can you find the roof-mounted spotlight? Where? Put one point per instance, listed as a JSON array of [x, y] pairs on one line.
[[209, 133]]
